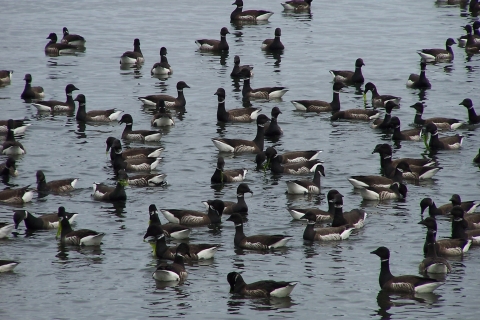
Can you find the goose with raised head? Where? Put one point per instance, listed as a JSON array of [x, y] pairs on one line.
[[277, 167], [133, 57], [473, 118], [41, 222], [438, 55], [237, 68], [137, 135], [94, 115], [174, 272], [52, 48], [29, 92], [267, 93], [432, 262], [58, 106], [234, 115], [260, 289], [132, 153], [170, 101], [196, 218], [54, 186], [221, 176], [213, 44], [379, 181], [440, 122], [445, 143], [444, 247], [248, 15], [82, 237], [378, 100], [162, 68], [350, 77], [319, 105], [172, 230], [73, 39], [162, 118], [307, 186], [342, 232], [274, 44], [416, 81]]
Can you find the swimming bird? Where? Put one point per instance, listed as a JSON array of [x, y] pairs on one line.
[[385, 152], [444, 247], [395, 191], [73, 39], [321, 215], [455, 200], [277, 167], [6, 229], [355, 114], [272, 129], [236, 207], [5, 77], [248, 15], [55, 49], [306, 186], [274, 44], [19, 126], [297, 5], [94, 115], [416, 81], [405, 135], [137, 135], [170, 101], [8, 169], [415, 173], [472, 115], [147, 180], [132, 153], [378, 100], [162, 68], [176, 271], [162, 117], [319, 105], [30, 92], [447, 143], [289, 157], [384, 123], [171, 230], [11, 146], [460, 226], [379, 181], [432, 262], [327, 233], [438, 55], [242, 146], [440, 122], [472, 44], [196, 218], [133, 57], [257, 242], [82, 237], [237, 68], [58, 106], [260, 289], [349, 77], [267, 93], [233, 175], [462, 41], [8, 265], [355, 217], [55, 186], [213, 44], [102, 192], [401, 284], [234, 115], [41, 222]]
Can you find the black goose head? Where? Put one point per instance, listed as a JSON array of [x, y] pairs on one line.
[[400, 188], [331, 194], [310, 216], [61, 213], [53, 37], [19, 216], [275, 112], [262, 119], [456, 200], [430, 223], [425, 203], [11, 164], [70, 88], [418, 107], [431, 128], [395, 122], [337, 86], [160, 105], [117, 146], [423, 66], [369, 87], [359, 63], [476, 24], [468, 28], [389, 106], [181, 85], [80, 98], [216, 206], [28, 78], [10, 124], [40, 176], [220, 163], [260, 158], [338, 199], [450, 42], [136, 42], [383, 149], [278, 32], [224, 31], [154, 231], [163, 51], [109, 142], [319, 168], [403, 167], [220, 94], [122, 175], [65, 31], [466, 103], [271, 153], [234, 278], [183, 249], [152, 209], [127, 119], [457, 212], [382, 252], [238, 3], [245, 73], [235, 218], [236, 60], [243, 188]]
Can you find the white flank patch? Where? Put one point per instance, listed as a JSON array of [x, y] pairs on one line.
[[287, 6], [346, 234], [222, 146], [368, 194], [156, 153], [207, 253], [429, 174], [155, 163], [428, 287], [74, 183], [296, 215], [72, 219], [280, 243], [6, 230], [426, 57], [254, 114], [455, 126], [299, 106], [265, 16], [41, 107], [127, 60], [8, 267], [159, 179], [170, 217], [27, 196], [165, 275], [437, 268], [21, 130], [294, 188], [410, 83], [283, 292]]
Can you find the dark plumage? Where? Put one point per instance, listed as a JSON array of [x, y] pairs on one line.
[[170, 101], [173, 230], [259, 289], [379, 181], [249, 15], [350, 77], [306, 186], [432, 262], [162, 68], [132, 153], [322, 216], [8, 169], [41, 222], [132, 57], [336, 233], [11, 146], [5, 77], [234, 115], [233, 175], [438, 55], [103, 192], [272, 129], [277, 167], [267, 93], [214, 45], [472, 115], [73, 39], [16, 196], [237, 68], [137, 135], [58, 106], [319, 105], [53, 48], [416, 81], [94, 115], [82, 237], [409, 135], [384, 123], [446, 143], [440, 122], [29, 92], [236, 207], [274, 44], [176, 271], [385, 152], [444, 247], [55, 186], [297, 5], [395, 191], [380, 101], [196, 218], [162, 117], [433, 210]]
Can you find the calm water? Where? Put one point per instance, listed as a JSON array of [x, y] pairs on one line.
[[335, 279]]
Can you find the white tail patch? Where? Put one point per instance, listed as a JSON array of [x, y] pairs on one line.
[[114, 116], [21, 130], [165, 275], [170, 217], [94, 240], [299, 106], [41, 107], [280, 243], [179, 235], [157, 153], [426, 57], [277, 94], [428, 287], [222, 146], [357, 183], [207, 253], [27, 196], [6, 230], [148, 102], [8, 266], [283, 292], [294, 188]]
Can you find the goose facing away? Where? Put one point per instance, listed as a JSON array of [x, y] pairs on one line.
[[416, 81], [162, 68], [73, 39], [380, 181], [82, 237], [277, 167], [162, 117], [237, 68], [274, 44], [133, 57], [103, 192], [432, 262], [259, 289], [29, 92], [5, 77], [132, 153], [221, 176], [394, 191]]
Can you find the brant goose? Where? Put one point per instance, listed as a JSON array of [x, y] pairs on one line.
[[8, 265], [438, 55], [395, 191], [297, 5], [272, 129], [5, 77], [355, 217], [170, 102], [132, 153], [378, 100], [433, 263], [385, 151], [327, 233], [440, 122], [409, 135], [103, 192], [277, 167], [196, 218], [473, 44], [94, 115], [433, 210], [19, 126], [29, 92], [444, 247], [235, 207], [349, 77], [172, 230], [379, 181], [267, 93], [162, 68], [416, 173], [462, 41], [306, 186], [176, 271], [220, 175], [257, 242], [16, 196], [248, 15], [147, 180], [162, 251], [72, 39], [162, 118], [322, 216], [8, 169], [319, 105], [132, 57], [135, 164], [82, 237], [259, 289], [58, 106], [55, 186], [213, 44], [447, 143], [52, 48], [137, 135], [472, 115], [416, 81], [234, 115], [6, 229], [401, 284], [237, 68], [460, 226], [288, 157], [385, 122], [12, 146], [42, 222], [274, 44], [240, 145], [355, 114]]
